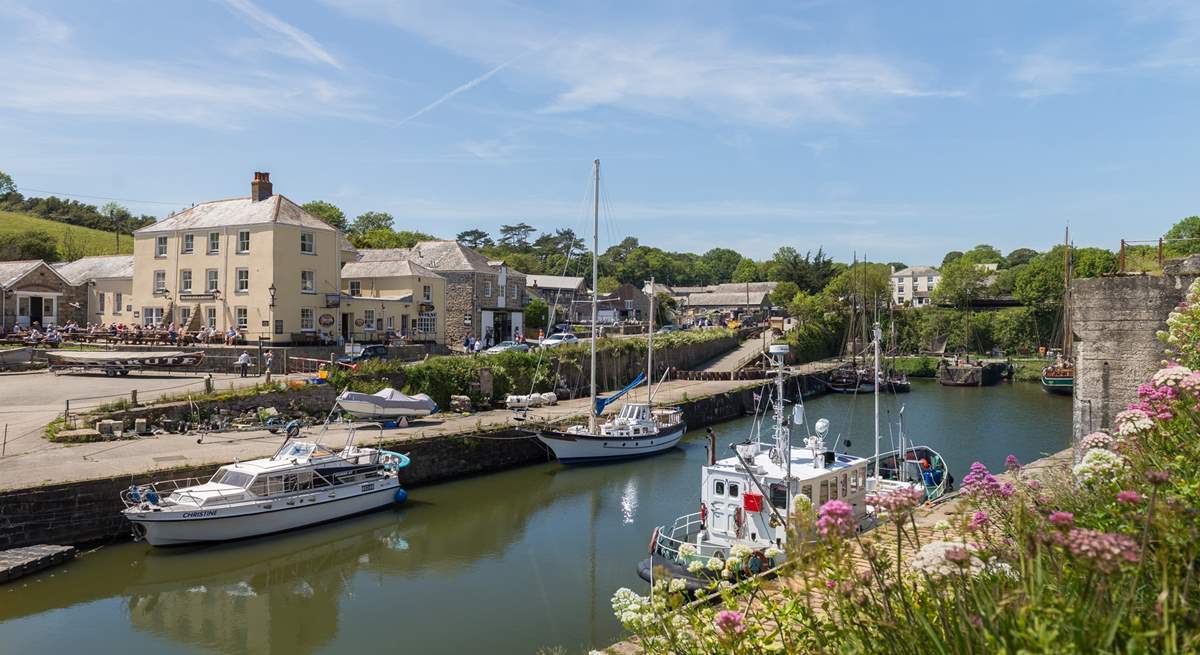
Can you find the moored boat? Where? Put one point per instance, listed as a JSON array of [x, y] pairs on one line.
[[113, 362], [1059, 378], [386, 403], [959, 373], [302, 484]]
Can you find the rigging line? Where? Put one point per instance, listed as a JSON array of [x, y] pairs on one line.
[[81, 195]]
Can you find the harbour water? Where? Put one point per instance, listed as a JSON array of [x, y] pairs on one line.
[[504, 563]]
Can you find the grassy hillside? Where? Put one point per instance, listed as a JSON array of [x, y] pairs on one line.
[[73, 241]]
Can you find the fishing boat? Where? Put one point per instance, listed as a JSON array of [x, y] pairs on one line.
[[386, 403], [1059, 377], [957, 372], [746, 500], [114, 362], [302, 484], [639, 429], [848, 379]]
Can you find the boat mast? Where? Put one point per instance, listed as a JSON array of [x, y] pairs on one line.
[[595, 287], [1066, 310], [877, 333], [650, 348]]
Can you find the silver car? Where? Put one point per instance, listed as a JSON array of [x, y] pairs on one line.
[[505, 346], [558, 339]]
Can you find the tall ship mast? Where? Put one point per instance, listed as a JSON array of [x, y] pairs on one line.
[[1059, 377]]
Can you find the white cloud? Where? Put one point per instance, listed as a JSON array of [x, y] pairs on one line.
[[35, 26], [650, 69], [299, 44], [1048, 73]]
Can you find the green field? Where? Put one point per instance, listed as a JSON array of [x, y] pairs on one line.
[[73, 241]]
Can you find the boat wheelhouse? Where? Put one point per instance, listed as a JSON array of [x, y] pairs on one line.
[[302, 484]]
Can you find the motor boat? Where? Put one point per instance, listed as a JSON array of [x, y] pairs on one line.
[[386, 403], [302, 484]]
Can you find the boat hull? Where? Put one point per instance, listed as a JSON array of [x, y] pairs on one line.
[[584, 449], [1058, 385], [987, 375], [169, 528], [370, 410]]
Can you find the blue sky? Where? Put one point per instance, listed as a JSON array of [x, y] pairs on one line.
[[902, 130]]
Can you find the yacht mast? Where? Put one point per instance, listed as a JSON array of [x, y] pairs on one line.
[[595, 286], [650, 348], [1066, 308], [877, 333]]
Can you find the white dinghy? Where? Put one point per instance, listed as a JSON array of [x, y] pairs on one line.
[[386, 403]]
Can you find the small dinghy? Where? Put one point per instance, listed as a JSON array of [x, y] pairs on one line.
[[386, 403]]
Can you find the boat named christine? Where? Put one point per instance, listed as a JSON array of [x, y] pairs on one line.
[[302, 484]]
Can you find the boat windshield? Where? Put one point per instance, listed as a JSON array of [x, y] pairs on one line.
[[232, 478]]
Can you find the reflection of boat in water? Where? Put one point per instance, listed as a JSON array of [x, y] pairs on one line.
[[303, 483]]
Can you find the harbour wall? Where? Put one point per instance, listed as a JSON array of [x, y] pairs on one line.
[[1113, 324], [88, 511]]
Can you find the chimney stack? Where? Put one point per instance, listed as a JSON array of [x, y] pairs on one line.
[[260, 188]]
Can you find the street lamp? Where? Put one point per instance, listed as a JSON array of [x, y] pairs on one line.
[[271, 290]]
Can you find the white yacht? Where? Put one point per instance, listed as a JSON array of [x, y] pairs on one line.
[[746, 500], [639, 429], [302, 484]]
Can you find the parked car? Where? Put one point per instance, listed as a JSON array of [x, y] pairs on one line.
[[376, 351], [558, 339], [505, 346], [667, 329]]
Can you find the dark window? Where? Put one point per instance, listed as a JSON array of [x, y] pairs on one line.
[[719, 489], [733, 489], [779, 496]]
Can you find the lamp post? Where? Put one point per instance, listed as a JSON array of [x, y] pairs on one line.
[[271, 290]]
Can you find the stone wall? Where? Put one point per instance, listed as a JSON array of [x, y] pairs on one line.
[[1113, 322], [460, 302], [89, 511]]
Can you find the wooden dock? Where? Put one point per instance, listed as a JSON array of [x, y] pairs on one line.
[[19, 562]]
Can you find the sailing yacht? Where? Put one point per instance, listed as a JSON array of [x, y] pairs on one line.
[[1059, 377], [639, 429]]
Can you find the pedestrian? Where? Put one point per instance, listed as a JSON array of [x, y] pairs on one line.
[[267, 357], [243, 362], [467, 344], [478, 346]]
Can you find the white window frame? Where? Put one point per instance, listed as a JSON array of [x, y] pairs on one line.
[[309, 239], [185, 280], [152, 315], [241, 275], [100, 302], [487, 288], [212, 280], [308, 282], [185, 316], [355, 288], [279, 326], [368, 320], [160, 281], [187, 244], [241, 318], [308, 319], [427, 322], [117, 302], [427, 293], [214, 243], [160, 247], [243, 242], [210, 317]]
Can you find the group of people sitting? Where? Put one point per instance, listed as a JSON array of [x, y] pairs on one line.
[[170, 333]]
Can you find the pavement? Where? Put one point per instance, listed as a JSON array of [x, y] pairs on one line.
[[41, 462], [739, 357]]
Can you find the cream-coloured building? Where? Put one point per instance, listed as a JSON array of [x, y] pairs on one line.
[[260, 263], [914, 284], [109, 283], [393, 297]]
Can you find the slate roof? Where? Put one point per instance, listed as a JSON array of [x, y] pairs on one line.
[[12, 271], [727, 299], [101, 267], [553, 282], [386, 268], [916, 271], [238, 211], [434, 255]]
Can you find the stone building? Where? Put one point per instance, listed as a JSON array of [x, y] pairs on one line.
[[913, 285], [484, 299], [562, 289], [31, 291], [108, 286], [627, 303]]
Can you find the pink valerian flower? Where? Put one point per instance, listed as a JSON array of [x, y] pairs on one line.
[[1129, 497], [836, 520], [1191, 384], [1011, 463], [1106, 550], [1034, 485], [981, 484], [1135, 420], [978, 520], [1061, 519], [1170, 376], [730, 622], [1098, 439], [897, 503], [957, 555], [1157, 478]]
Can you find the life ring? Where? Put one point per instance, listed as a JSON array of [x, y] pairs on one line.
[[653, 541], [703, 515]]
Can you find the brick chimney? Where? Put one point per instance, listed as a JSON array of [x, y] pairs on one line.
[[260, 188]]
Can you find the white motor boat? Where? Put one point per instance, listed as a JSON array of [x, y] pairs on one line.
[[386, 403], [302, 484]]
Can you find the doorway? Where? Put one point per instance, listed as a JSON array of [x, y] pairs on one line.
[[346, 325]]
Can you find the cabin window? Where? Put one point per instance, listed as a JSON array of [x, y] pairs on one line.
[[733, 490], [259, 487], [833, 490], [779, 496], [806, 491], [232, 478], [719, 488], [275, 484], [854, 479], [845, 484], [824, 497]]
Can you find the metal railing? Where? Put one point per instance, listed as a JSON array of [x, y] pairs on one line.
[[1140, 252], [668, 542]]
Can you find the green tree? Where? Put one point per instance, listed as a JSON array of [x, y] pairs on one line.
[[747, 270], [516, 237], [719, 264], [1019, 256], [869, 284], [784, 293], [327, 212], [1090, 262], [962, 283], [607, 284], [368, 221], [30, 244], [806, 307], [536, 314], [984, 254], [899, 266], [475, 239], [385, 237], [951, 257], [7, 185], [1188, 228]]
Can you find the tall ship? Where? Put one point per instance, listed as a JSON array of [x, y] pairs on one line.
[[639, 429], [302, 484], [1059, 377]]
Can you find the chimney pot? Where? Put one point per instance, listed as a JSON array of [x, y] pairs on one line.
[[260, 188]]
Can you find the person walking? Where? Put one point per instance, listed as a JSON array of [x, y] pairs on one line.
[[478, 346], [243, 362]]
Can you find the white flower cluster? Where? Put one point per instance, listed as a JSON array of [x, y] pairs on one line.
[[632, 610], [687, 551], [1133, 421], [932, 559], [695, 566], [740, 551], [677, 585], [1098, 464], [773, 552], [1170, 376], [1097, 439], [715, 564]]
